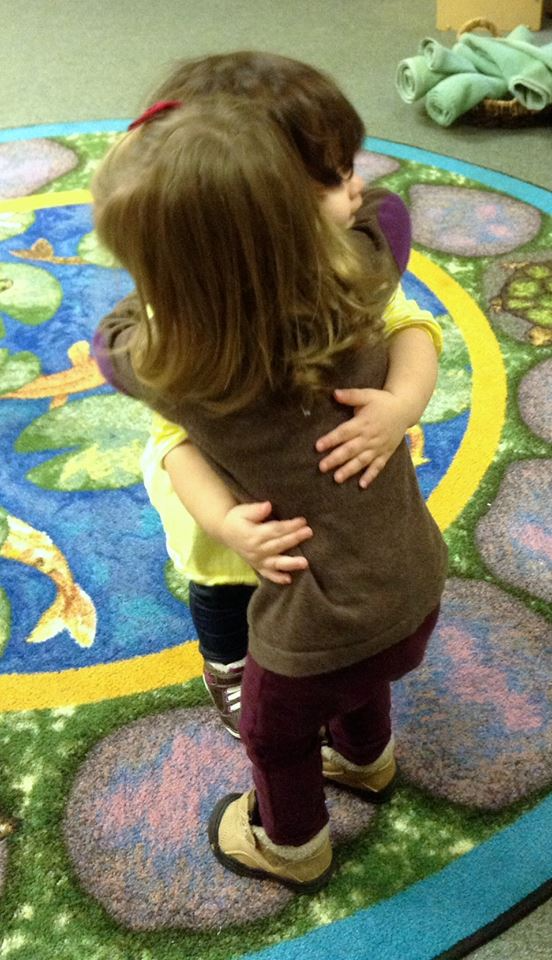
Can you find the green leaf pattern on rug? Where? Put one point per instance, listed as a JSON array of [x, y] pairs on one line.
[[178, 584], [11, 223], [4, 527], [30, 295], [90, 149], [453, 392], [5, 620], [91, 250], [107, 434], [16, 369], [5, 606], [529, 293]]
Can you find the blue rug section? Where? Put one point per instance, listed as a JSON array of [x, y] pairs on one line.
[[430, 917], [62, 129], [80, 522]]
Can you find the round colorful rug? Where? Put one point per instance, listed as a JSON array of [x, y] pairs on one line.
[[111, 756]]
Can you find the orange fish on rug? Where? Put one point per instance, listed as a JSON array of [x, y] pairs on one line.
[[43, 250], [82, 375], [72, 609]]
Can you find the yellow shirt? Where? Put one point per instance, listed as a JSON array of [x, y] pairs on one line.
[[193, 553]]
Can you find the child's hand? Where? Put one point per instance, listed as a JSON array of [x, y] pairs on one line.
[[262, 543], [368, 439]]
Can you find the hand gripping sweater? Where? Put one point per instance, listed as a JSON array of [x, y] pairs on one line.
[[377, 561]]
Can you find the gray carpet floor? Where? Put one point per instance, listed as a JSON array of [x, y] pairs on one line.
[[72, 60], [67, 60], [530, 939]]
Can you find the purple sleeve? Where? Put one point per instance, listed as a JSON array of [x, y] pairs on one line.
[[111, 343], [394, 222], [100, 352], [383, 221]]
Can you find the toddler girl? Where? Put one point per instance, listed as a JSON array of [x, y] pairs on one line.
[[325, 130], [255, 305]]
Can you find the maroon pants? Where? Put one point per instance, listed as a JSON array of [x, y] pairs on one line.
[[280, 722]]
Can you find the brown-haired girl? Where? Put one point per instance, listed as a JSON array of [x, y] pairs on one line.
[[221, 550], [254, 306]]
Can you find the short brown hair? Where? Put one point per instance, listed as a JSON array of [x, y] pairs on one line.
[[305, 102]]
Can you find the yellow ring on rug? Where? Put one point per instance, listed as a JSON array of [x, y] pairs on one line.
[[475, 454], [40, 201], [104, 681], [488, 400]]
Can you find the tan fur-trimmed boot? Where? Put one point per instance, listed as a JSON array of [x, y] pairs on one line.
[[248, 851], [375, 781]]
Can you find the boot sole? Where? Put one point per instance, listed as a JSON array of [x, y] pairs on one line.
[[312, 886], [376, 797]]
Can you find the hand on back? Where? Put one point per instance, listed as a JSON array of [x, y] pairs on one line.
[[366, 441], [264, 543]]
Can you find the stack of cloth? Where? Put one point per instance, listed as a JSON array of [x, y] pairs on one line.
[[453, 81]]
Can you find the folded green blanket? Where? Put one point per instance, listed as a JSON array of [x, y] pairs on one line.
[[544, 54], [533, 85], [526, 68], [490, 56], [456, 94], [453, 81], [443, 60], [414, 78]]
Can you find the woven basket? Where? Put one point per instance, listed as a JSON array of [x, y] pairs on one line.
[[500, 113]]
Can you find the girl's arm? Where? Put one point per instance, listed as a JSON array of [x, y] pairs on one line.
[[382, 417], [367, 441], [243, 528]]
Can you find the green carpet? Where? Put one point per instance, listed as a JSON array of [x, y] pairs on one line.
[[111, 756]]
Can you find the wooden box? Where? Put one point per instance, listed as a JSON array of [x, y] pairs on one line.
[[505, 14]]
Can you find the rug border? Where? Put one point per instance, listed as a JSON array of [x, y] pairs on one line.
[[524, 190], [521, 189], [502, 923], [421, 922]]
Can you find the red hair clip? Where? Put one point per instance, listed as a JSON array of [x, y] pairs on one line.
[[152, 111]]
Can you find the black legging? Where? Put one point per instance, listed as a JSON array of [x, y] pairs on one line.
[[220, 619]]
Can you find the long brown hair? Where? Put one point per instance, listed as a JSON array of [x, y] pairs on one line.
[[251, 288], [305, 102]]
